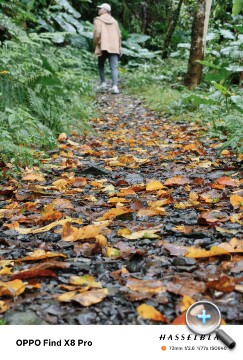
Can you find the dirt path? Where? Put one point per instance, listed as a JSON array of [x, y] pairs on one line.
[[161, 224]]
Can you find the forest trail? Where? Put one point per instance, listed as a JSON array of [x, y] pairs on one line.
[[126, 225]]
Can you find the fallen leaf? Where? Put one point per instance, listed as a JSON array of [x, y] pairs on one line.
[[112, 252], [236, 200], [62, 137], [50, 214], [224, 284], [62, 204], [6, 271], [71, 233], [145, 286], [66, 297], [90, 297], [12, 288], [185, 286], [143, 234], [84, 280], [149, 312], [3, 307], [60, 184], [195, 253], [28, 274], [210, 217], [15, 226], [113, 213], [185, 303], [33, 177], [225, 180], [175, 250], [151, 212], [39, 254], [176, 180], [234, 246], [154, 185]]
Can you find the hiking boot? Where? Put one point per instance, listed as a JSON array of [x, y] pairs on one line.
[[115, 90]]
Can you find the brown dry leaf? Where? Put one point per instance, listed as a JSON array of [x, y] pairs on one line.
[[195, 253], [66, 297], [84, 280], [116, 199], [211, 197], [40, 254], [149, 312], [71, 233], [236, 200], [158, 203], [185, 303], [126, 192], [113, 213], [175, 250], [112, 252], [32, 273], [143, 234], [145, 286], [234, 246], [3, 307], [151, 212], [120, 274], [60, 184], [6, 271], [12, 288], [101, 240], [154, 185], [123, 231], [185, 286], [239, 288], [25, 231], [33, 177], [62, 204], [90, 297], [225, 180], [50, 214], [183, 228], [62, 137], [236, 218], [210, 217], [177, 180], [4, 263], [78, 182], [224, 284]]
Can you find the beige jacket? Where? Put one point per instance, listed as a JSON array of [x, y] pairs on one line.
[[107, 35]]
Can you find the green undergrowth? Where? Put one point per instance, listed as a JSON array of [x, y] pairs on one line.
[[216, 105], [45, 90]]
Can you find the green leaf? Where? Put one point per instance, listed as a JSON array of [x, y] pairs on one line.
[[237, 7]]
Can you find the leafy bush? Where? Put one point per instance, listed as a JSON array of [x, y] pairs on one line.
[[44, 89]]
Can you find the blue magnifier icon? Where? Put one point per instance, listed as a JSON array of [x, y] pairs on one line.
[[203, 317]]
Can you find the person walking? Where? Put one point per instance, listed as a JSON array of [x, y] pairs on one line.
[[107, 41]]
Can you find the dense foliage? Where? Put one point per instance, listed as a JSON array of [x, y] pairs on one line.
[[46, 67]]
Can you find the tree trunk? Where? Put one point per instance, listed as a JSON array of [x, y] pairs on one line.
[[207, 16], [194, 71], [170, 30], [144, 6]]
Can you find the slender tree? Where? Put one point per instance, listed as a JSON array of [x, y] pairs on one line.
[[198, 41], [170, 30]]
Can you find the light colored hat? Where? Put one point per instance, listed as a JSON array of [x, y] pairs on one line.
[[105, 6]]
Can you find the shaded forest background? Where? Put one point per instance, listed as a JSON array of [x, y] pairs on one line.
[[47, 69]]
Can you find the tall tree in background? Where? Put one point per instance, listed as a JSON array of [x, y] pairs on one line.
[[170, 30], [198, 42]]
